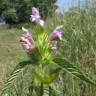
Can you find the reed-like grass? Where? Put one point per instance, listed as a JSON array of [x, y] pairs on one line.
[[79, 46]]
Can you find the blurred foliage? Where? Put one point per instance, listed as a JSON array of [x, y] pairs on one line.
[[17, 11], [9, 15], [46, 7]]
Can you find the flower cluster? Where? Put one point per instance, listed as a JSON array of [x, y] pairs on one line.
[[27, 38], [36, 17], [55, 34]]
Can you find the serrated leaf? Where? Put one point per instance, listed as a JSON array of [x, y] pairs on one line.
[[63, 63]]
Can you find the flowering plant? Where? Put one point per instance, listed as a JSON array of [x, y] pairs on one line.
[[42, 50]]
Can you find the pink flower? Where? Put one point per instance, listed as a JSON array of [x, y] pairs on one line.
[[35, 17], [24, 39], [35, 11], [56, 33], [27, 47], [26, 35], [40, 22], [54, 46], [27, 40]]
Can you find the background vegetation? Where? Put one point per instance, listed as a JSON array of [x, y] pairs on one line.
[[18, 11], [79, 46]]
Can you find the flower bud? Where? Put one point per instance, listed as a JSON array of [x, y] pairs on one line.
[[40, 22], [54, 46], [56, 33]]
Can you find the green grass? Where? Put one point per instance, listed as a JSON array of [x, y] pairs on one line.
[[79, 34], [10, 50], [79, 46]]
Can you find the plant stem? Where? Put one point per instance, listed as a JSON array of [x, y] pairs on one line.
[[50, 91], [41, 89]]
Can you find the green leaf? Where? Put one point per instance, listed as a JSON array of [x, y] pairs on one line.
[[15, 73], [20, 65], [39, 30], [53, 74], [74, 70]]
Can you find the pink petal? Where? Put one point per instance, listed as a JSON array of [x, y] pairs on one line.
[[40, 22], [27, 41], [27, 36], [34, 17], [27, 46], [35, 11], [24, 39], [57, 34], [54, 48]]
